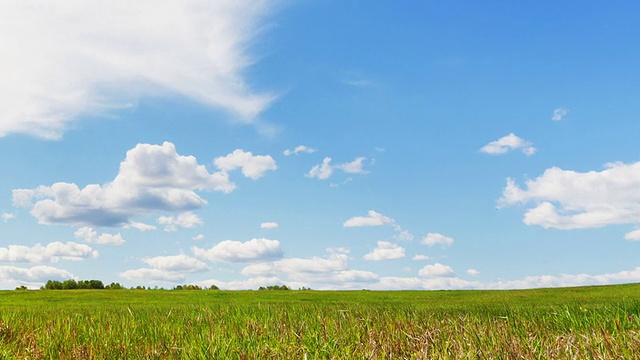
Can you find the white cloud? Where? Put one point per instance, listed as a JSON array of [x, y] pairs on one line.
[[436, 270], [269, 225], [152, 178], [633, 235], [198, 237], [331, 272], [508, 143], [236, 251], [253, 166], [373, 218], [87, 234], [564, 280], [185, 220], [354, 167], [325, 170], [435, 238], [559, 114], [473, 272], [385, 251], [177, 264], [152, 275], [65, 59], [299, 149], [420, 257], [8, 216], [51, 252], [565, 199], [33, 274], [140, 226]]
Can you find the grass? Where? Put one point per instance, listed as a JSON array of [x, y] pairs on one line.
[[570, 323]]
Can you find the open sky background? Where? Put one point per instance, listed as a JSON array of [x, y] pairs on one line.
[[325, 144]]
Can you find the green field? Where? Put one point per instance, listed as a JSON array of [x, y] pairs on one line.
[[581, 323]]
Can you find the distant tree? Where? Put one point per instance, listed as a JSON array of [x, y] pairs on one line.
[[274, 287], [114, 286], [53, 285], [305, 288], [213, 287], [21, 288], [187, 287]]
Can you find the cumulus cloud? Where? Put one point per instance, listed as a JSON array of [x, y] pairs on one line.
[[89, 235], [51, 252], [299, 149], [473, 272], [269, 225], [420, 257], [373, 218], [237, 251], [559, 114], [152, 275], [508, 143], [66, 59], [435, 238], [436, 270], [152, 178], [385, 251], [177, 264], [185, 220], [565, 199], [198, 237], [326, 272], [253, 166], [325, 170], [35, 274]]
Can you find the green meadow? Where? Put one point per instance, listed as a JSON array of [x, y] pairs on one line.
[[600, 322]]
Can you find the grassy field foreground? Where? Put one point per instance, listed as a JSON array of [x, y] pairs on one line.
[[581, 323]]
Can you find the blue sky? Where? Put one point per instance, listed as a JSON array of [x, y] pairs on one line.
[[324, 144]]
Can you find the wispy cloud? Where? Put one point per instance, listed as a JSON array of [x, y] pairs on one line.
[[299, 149], [65, 59], [325, 170], [559, 114], [508, 143]]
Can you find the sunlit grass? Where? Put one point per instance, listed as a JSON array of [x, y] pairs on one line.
[[596, 322]]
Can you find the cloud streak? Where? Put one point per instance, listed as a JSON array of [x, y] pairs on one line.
[[66, 59]]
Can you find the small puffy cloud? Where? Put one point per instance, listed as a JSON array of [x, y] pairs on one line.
[[269, 225], [322, 171], [198, 237], [140, 226], [299, 149], [354, 167], [184, 220], [89, 235], [559, 114], [473, 272], [151, 179], [177, 264], [70, 58], [420, 257], [385, 251], [436, 270], [237, 251], [8, 216], [434, 238], [253, 166], [373, 218], [325, 170], [51, 252], [508, 143], [633, 235], [565, 199]]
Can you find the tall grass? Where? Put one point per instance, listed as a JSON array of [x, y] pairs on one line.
[[577, 323]]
